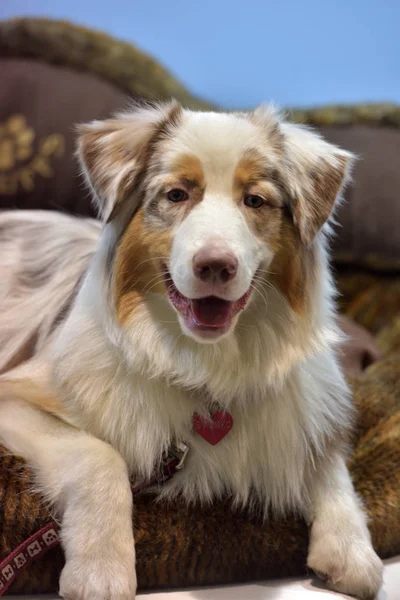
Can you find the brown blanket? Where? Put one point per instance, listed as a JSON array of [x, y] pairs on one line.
[[181, 546]]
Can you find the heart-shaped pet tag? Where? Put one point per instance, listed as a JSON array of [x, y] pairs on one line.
[[214, 428]]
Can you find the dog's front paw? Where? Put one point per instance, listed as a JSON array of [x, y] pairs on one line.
[[99, 578], [349, 566]]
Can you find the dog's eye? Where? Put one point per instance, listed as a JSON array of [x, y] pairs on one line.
[[177, 195], [253, 201]]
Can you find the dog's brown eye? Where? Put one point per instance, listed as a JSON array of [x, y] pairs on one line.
[[177, 195], [253, 201]]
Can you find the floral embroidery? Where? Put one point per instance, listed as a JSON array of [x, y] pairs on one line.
[[19, 162], [15, 142]]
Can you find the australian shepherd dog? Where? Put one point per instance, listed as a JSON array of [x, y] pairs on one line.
[[205, 290]]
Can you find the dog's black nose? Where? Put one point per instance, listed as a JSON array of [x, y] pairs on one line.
[[213, 266]]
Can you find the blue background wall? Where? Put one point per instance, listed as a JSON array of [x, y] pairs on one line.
[[294, 52]]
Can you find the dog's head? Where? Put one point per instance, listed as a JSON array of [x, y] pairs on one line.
[[212, 206]]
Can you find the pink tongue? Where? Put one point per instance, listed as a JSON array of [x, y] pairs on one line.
[[212, 312]]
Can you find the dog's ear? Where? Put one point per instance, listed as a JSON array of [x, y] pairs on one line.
[[112, 152], [317, 172]]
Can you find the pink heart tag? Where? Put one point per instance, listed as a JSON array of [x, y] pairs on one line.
[[215, 428]]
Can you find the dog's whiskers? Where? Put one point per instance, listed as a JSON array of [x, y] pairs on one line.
[[154, 281], [264, 281], [263, 296], [162, 258], [266, 271]]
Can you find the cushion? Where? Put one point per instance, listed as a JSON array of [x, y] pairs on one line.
[[366, 234], [39, 105], [53, 76], [119, 63]]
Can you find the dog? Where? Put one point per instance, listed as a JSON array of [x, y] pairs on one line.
[[205, 290]]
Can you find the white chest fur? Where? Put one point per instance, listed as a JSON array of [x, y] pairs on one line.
[[138, 390], [268, 450]]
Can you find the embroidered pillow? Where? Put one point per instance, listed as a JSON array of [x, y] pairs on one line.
[[39, 107]]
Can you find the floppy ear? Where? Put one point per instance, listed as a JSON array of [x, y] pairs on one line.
[[112, 152], [317, 174]]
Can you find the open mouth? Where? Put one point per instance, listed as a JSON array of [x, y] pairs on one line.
[[209, 314]]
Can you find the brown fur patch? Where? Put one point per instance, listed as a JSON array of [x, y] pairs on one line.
[[315, 205], [185, 172], [135, 178], [105, 152], [118, 144], [254, 176], [292, 266], [137, 265], [90, 142], [188, 169]]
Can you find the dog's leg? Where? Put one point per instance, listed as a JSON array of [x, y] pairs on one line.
[[88, 482], [340, 544]]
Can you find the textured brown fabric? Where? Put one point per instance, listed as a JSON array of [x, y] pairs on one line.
[[388, 338], [370, 299], [342, 115], [179, 545]]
